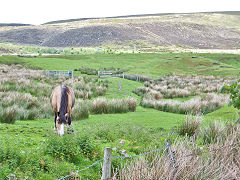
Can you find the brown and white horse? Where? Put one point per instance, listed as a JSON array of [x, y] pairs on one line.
[[62, 101]]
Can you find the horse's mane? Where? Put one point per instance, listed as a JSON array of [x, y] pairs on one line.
[[64, 103]]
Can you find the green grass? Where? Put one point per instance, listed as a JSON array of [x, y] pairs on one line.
[[127, 86], [145, 64], [144, 129], [225, 114]]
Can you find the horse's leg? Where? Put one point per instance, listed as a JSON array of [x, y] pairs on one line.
[[55, 119], [69, 120]]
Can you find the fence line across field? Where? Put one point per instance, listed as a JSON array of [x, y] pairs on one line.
[[101, 74], [110, 74], [60, 73], [106, 174]]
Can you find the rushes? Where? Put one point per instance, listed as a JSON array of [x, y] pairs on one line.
[[25, 93], [179, 86], [199, 104], [213, 132], [8, 115], [102, 106], [219, 160], [81, 110], [190, 126]]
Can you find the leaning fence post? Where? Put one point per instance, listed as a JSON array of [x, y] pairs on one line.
[[172, 157], [12, 177], [107, 163]]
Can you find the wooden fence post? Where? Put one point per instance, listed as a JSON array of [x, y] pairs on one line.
[[172, 157], [12, 177], [107, 163]]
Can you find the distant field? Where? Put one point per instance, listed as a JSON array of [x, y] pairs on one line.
[[155, 65]]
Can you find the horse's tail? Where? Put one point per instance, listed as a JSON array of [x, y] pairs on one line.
[[64, 103]]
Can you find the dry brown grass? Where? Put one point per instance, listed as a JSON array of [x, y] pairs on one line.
[[199, 104], [29, 91], [103, 106], [220, 160]]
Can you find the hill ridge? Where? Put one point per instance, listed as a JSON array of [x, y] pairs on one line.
[[211, 30]]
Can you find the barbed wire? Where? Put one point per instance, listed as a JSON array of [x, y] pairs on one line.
[[120, 157], [125, 157], [80, 170]]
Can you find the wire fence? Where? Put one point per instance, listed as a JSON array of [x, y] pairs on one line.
[[166, 147], [120, 157], [80, 170]]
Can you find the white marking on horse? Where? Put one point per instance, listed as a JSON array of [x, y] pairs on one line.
[[61, 131]]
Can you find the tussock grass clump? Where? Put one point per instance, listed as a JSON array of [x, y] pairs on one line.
[[181, 86], [132, 104], [190, 126], [213, 132], [102, 106], [87, 88], [8, 115], [80, 110], [99, 106], [200, 104], [141, 91], [153, 94]]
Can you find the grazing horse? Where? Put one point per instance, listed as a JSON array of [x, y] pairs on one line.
[[62, 101]]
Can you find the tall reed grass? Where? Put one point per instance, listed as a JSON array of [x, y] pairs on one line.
[[219, 160], [25, 93], [102, 106], [199, 104]]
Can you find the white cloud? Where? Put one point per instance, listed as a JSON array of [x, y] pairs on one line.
[[40, 11]]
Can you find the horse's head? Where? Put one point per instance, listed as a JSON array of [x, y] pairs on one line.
[[61, 120]]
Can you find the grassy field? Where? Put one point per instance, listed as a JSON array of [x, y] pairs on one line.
[[144, 129], [155, 65]]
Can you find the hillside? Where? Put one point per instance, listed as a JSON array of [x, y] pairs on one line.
[[219, 30]]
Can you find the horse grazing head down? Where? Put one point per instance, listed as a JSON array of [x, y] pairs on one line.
[[60, 121], [62, 101]]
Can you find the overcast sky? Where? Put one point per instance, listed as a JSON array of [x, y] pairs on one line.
[[41, 11]]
